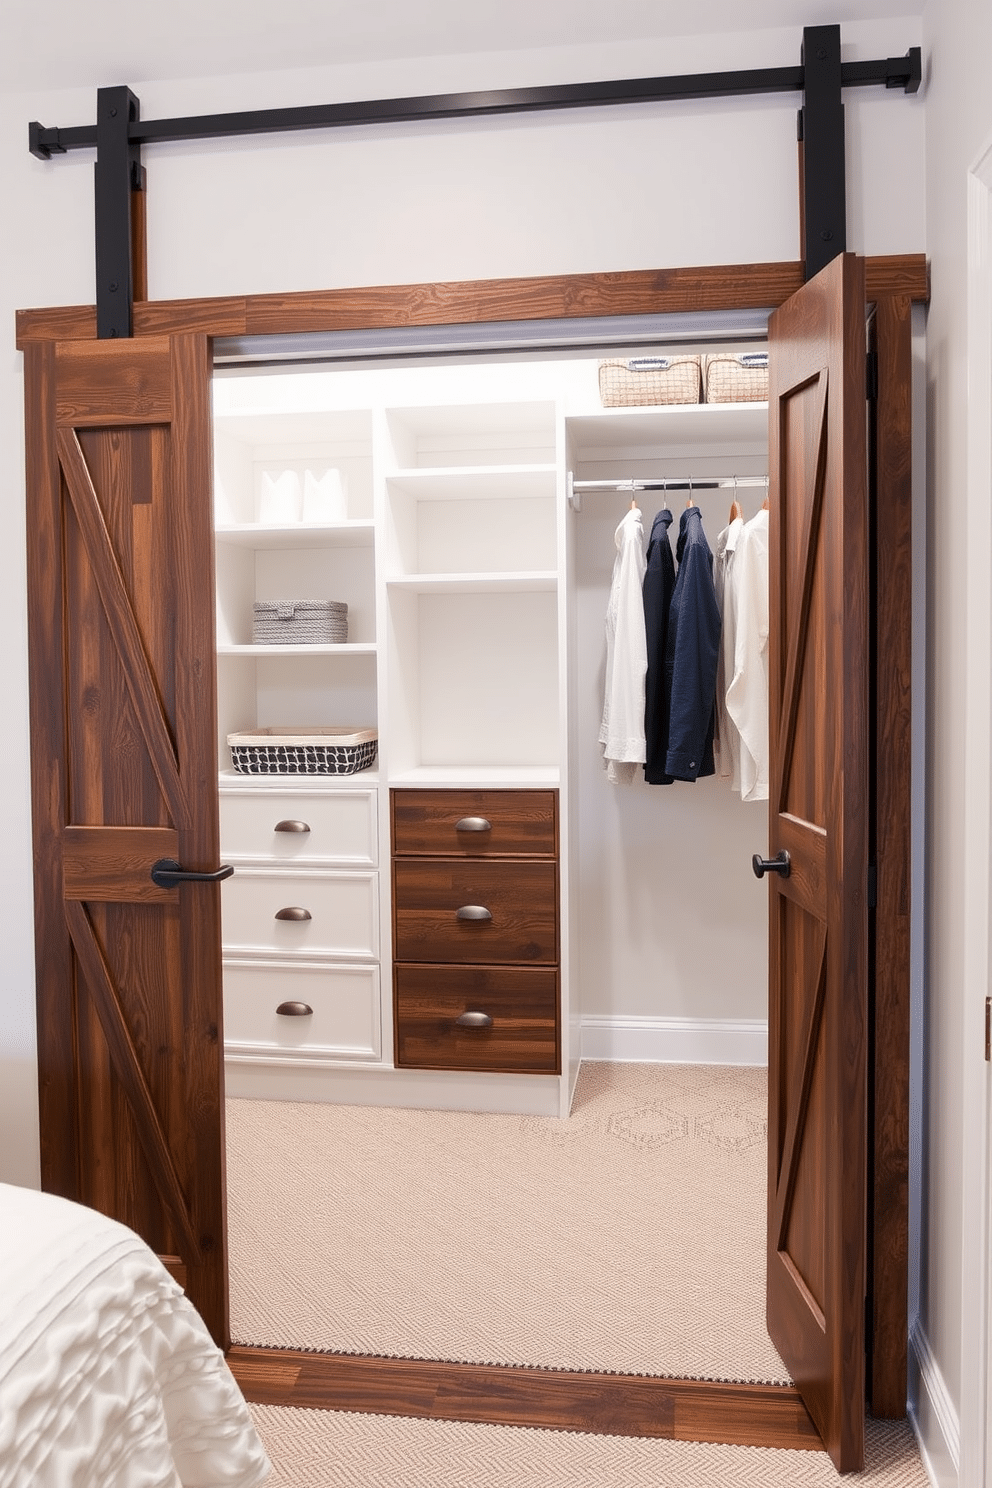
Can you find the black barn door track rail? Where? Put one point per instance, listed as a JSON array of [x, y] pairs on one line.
[[120, 133]]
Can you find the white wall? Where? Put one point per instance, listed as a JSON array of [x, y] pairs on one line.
[[644, 187], [957, 37]]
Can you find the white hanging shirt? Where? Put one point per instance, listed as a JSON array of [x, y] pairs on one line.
[[747, 695], [726, 739], [622, 731]]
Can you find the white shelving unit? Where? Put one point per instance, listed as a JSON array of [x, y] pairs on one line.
[[470, 579], [303, 846], [457, 557]]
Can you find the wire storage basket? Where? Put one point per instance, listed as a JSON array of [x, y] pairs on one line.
[[317, 750], [737, 379], [299, 622], [640, 382]]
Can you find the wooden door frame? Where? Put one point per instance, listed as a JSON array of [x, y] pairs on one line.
[[894, 284]]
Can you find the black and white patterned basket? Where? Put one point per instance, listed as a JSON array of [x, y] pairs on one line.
[[303, 751]]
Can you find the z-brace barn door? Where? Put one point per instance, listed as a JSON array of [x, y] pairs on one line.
[[818, 920], [121, 629]]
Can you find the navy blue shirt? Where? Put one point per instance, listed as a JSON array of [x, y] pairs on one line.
[[692, 648], [659, 582]]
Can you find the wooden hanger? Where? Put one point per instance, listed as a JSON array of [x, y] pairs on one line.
[[736, 509], [766, 504]]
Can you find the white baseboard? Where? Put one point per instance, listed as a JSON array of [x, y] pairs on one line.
[[932, 1413], [382, 1085], [676, 1040]]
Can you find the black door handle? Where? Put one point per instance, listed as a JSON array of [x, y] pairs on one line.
[[166, 873], [780, 863]]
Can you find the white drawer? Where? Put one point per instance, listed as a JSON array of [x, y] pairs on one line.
[[342, 826], [344, 1023], [343, 910]]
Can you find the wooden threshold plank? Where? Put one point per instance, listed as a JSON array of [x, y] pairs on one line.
[[517, 1395]]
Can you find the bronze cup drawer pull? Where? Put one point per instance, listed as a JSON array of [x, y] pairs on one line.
[[474, 1020], [294, 1010], [291, 826], [473, 912], [293, 912], [473, 824]]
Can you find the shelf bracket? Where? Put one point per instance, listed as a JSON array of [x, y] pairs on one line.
[[574, 496]]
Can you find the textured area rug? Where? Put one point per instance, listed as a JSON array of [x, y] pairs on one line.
[[627, 1238], [325, 1449]]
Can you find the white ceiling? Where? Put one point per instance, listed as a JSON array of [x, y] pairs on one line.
[[68, 43]]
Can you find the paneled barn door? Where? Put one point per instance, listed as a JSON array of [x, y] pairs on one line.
[[818, 836], [124, 766]]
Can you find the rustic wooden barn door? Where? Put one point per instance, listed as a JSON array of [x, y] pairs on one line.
[[121, 628], [818, 661]]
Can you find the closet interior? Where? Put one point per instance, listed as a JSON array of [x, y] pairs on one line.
[[465, 514]]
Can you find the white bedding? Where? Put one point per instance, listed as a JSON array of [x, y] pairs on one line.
[[108, 1376]]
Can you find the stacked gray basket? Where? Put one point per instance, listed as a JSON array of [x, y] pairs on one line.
[[300, 622]]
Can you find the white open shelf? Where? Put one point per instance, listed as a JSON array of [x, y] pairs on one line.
[[473, 482], [249, 445], [347, 534], [471, 434], [739, 430], [477, 583], [280, 573], [472, 679], [230, 779], [482, 777], [300, 686], [346, 649], [493, 521]]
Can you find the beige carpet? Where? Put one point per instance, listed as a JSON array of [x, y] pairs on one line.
[[628, 1238], [326, 1449]]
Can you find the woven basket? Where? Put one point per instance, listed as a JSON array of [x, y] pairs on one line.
[[642, 381], [300, 622], [737, 379], [303, 751]]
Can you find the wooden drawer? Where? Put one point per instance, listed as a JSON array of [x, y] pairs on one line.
[[521, 823], [343, 913], [521, 899], [522, 1003], [343, 1023], [258, 824]]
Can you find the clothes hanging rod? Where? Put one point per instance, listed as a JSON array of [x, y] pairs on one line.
[[892, 72], [675, 483], [654, 483]]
